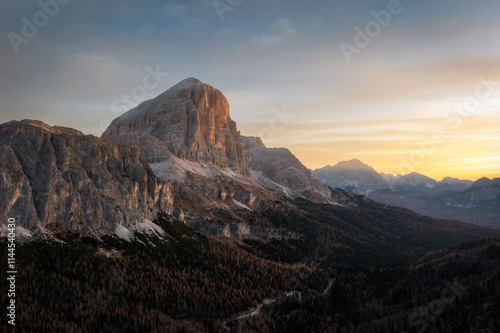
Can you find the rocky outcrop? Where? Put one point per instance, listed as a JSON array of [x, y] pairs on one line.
[[282, 167], [190, 120], [55, 175], [188, 138], [278, 164]]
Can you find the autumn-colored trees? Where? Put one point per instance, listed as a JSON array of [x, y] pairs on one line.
[[196, 283]]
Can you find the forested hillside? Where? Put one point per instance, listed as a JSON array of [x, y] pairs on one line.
[[197, 283]]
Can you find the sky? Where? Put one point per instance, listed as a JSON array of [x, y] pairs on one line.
[[403, 86]]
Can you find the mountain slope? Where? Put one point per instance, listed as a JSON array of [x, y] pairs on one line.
[[186, 281], [483, 193], [452, 290], [478, 203]]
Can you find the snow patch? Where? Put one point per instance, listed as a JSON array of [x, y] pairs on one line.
[[175, 169], [123, 233], [150, 228], [260, 178], [239, 204], [23, 233]]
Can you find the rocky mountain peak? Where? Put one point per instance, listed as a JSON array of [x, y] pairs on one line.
[[416, 179], [353, 164], [188, 83], [352, 175], [253, 142], [190, 120]]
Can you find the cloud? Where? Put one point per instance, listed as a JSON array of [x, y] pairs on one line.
[[174, 10], [283, 31], [285, 28]]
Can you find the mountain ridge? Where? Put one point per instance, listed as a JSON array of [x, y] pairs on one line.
[[475, 202], [56, 175]]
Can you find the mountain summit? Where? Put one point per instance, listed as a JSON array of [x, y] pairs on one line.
[[352, 175], [190, 120]]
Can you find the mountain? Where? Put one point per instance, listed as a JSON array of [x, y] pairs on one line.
[[482, 193], [450, 198], [59, 176], [485, 182], [187, 136], [477, 202], [421, 183], [352, 175], [190, 121], [451, 180], [415, 181]]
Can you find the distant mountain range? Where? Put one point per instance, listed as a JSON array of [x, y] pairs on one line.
[[451, 198]]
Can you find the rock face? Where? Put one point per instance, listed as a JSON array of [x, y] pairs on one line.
[[190, 120], [278, 164], [55, 175], [188, 138], [282, 167]]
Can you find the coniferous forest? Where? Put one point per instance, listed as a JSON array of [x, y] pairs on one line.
[[197, 283]]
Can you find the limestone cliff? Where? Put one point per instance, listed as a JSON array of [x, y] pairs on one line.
[[190, 120], [59, 175]]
